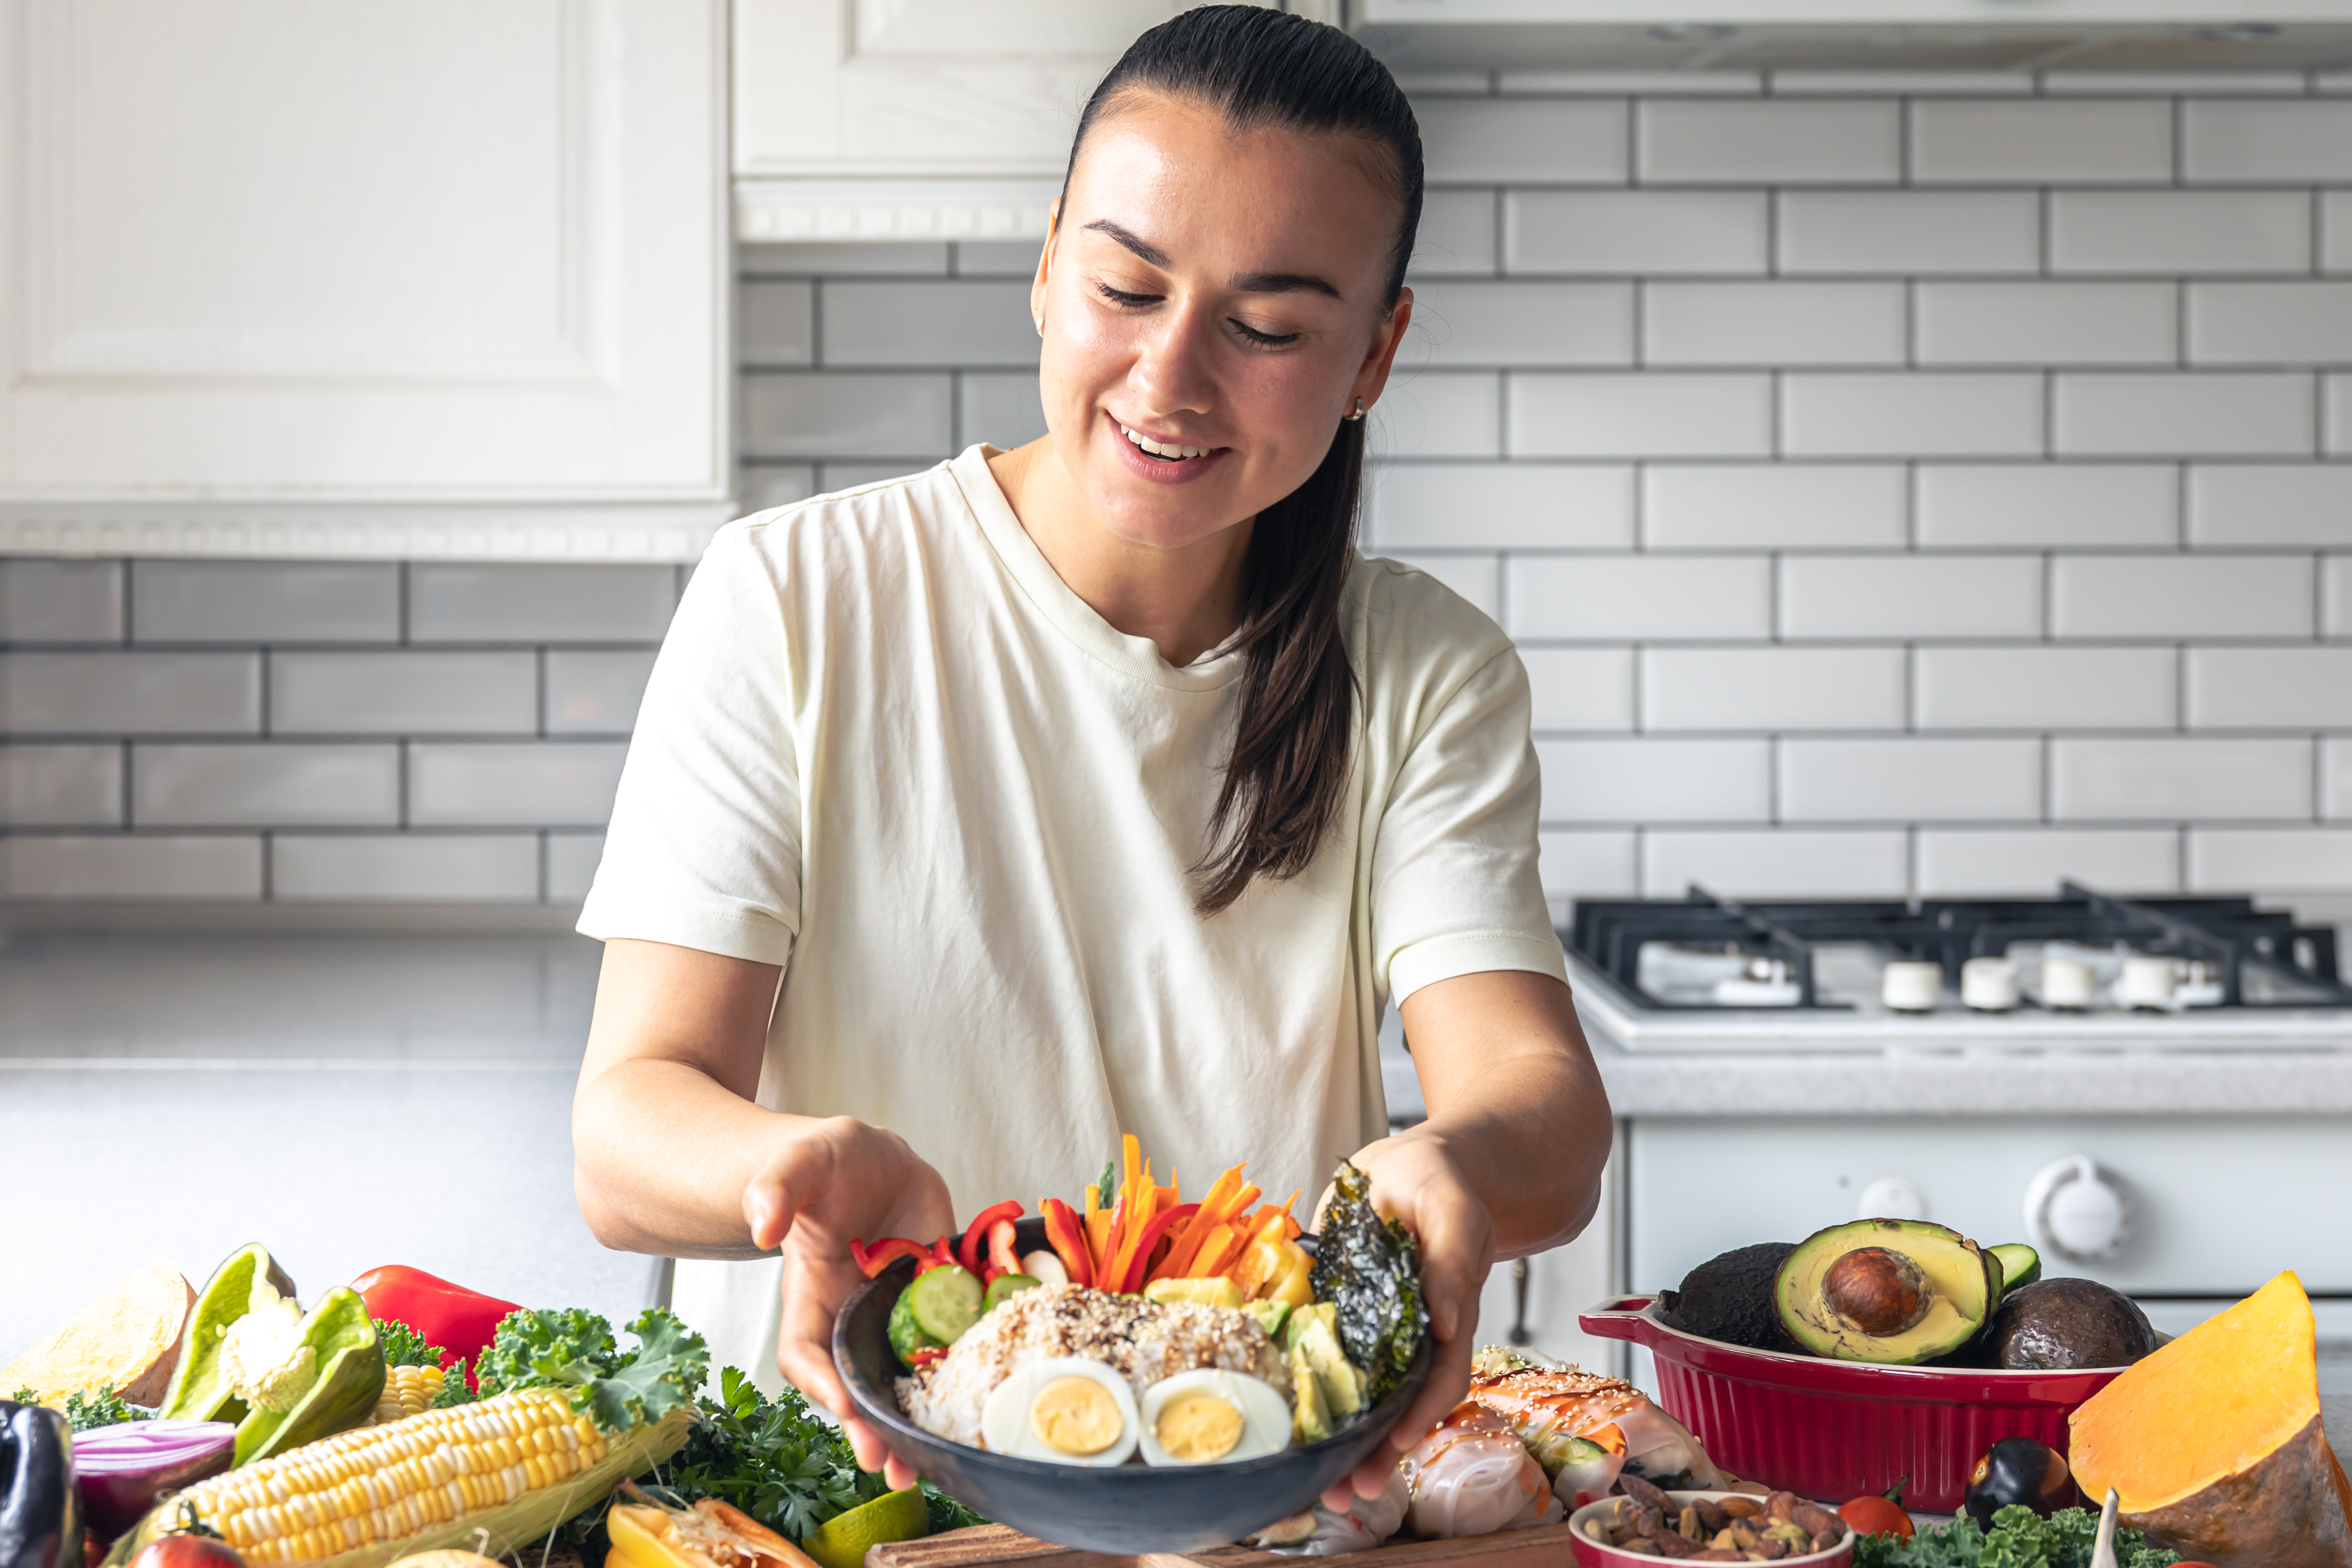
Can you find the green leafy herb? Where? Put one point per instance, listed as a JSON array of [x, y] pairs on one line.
[[403, 1346], [1369, 1268], [2017, 1539], [1106, 1185], [84, 1411], [575, 1348], [782, 1464]]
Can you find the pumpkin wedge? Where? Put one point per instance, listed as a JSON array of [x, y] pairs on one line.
[[2214, 1441]]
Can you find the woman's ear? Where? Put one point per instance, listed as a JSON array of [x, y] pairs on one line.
[[1044, 269], [1372, 375]]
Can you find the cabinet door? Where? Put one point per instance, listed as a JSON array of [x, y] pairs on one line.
[[338, 253]]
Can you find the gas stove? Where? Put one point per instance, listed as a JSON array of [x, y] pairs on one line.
[[2083, 968]]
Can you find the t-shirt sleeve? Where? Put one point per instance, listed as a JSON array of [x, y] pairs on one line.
[[1456, 890], [704, 848]]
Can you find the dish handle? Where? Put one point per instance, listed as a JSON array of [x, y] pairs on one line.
[[1620, 1318]]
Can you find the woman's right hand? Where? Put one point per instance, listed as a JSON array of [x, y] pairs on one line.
[[831, 1182]]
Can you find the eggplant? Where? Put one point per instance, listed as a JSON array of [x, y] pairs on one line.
[[40, 1511], [2020, 1470]]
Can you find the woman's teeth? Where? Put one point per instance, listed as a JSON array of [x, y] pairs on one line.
[[1164, 448]]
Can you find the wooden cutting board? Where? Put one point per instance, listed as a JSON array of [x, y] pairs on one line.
[[1000, 1546]]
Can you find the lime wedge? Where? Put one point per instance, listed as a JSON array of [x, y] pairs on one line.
[[841, 1541]]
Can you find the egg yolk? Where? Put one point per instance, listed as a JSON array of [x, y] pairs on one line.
[[1197, 1427], [1075, 1416]]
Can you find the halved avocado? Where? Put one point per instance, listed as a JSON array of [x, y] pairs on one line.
[[1893, 1291], [2019, 1265]]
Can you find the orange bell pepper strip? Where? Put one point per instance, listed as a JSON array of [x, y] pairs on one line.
[[1194, 1232], [1139, 1256], [1216, 1255], [1130, 1173], [1069, 1239]]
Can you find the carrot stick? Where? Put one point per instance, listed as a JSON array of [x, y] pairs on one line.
[[1216, 1255], [1131, 1164], [1194, 1231]]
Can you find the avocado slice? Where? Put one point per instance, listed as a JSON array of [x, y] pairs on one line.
[[1729, 1298], [1271, 1316], [1891, 1292], [1218, 1292], [2019, 1265], [1315, 1336], [1309, 1421]]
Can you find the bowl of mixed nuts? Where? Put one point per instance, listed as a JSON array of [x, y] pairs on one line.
[[1642, 1524]]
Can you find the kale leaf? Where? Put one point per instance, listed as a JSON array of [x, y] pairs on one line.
[[1370, 1269], [2017, 1539], [403, 1346], [619, 1390]]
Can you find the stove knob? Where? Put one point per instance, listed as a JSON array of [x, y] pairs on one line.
[[1910, 986], [2077, 1211], [1891, 1197]]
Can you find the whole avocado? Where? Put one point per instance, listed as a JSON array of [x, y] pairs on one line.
[[2064, 1325], [1729, 1298]]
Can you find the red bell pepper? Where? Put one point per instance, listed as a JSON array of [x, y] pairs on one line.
[[1138, 1265], [887, 1251], [1069, 1239], [942, 1256], [462, 1322], [930, 1356], [975, 1236], [1002, 1259]]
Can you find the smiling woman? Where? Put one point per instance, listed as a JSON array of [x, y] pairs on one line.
[[977, 819]]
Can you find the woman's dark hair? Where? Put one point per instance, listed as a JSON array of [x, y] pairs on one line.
[[1267, 69]]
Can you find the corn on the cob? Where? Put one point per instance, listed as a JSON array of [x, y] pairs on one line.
[[407, 1391], [377, 1484]]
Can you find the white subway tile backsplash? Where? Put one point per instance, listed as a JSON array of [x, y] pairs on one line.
[[1433, 414], [264, 602], [2048, 323], [2180, 231], [1542, 141], [2337, 396], [2336, 778], [758, 487], [2179, 779], [1603, 414], [1772, 324], [2270, 323], [595, 692], [2046, 689], [404, 868], [2045, 141], [838, 258], [1457, 237], [1605, 598], [1769, 506], [1619, 83], [1897, 596], [572, 864], [1581, 688], [129, 693], [2221, 413], [2206, 83], [2269, 687], [2270, 861], [841, 415], [1967, 863], [1831, 415], [2038, 505], [1477, 578], [403, 693], [995, 258], [1690, 141], [2180, 596], [959, 321], [60, 601], [2265, 143], [776, 322], [2336, 231], [301, 785], [1000, 408], [1909, 779], [1659, 233], [1771, 688], [60, 786], [2334, 595], [1643, 779], [557, 783], [2234, 504], [1588, 865], [1525, 323], [117, 867], [1910, 231], [539, 604], [1800, 864], [1538, 506]]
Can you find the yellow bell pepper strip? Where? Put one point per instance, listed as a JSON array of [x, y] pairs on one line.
[[704, 1536], [1069, 1239], [1132, 1275], [1293, 1285], [975, 1236], [872, 1261]]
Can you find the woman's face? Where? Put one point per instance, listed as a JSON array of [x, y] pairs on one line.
[[1218, 295]]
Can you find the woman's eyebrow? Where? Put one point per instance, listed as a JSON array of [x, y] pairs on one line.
[[1240, 283]]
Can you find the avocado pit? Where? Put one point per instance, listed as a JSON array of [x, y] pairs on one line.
[[1879, 1292]]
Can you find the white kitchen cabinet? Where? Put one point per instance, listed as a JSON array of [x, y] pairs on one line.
[[329, 277]]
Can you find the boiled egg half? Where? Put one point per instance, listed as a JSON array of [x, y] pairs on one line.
[[1066, 1411], [1209, 1416]]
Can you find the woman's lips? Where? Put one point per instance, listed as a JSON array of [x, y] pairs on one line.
[[1165, 470]]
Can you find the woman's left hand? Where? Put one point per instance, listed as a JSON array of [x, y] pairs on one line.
[[1416, 1179]]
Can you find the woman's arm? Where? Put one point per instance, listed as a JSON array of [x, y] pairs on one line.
[[1509, 1162], [670, 1153]]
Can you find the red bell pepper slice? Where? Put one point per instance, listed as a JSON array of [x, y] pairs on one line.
[[942, 1256], [931, 1356], [1069, 1239], [884, 1253], [462, 1322], [975, 1236], [1139, 1264], [1002, 1259]]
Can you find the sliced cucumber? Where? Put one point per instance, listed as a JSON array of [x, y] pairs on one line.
[[907, 1336], [945, 1301], [2019, 1265], [1005, 1285]]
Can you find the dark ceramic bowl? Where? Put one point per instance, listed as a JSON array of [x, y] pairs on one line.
[[1127, 1509]]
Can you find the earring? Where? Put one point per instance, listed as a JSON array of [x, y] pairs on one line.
[[1039, 322], [1357, 417]]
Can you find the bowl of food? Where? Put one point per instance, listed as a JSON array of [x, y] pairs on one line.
[[1623, 1532], [1186, 1416]]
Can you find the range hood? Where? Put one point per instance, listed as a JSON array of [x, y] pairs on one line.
[[1416, 37]]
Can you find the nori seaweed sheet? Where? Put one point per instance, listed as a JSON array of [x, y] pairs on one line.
[[1370, 1269]]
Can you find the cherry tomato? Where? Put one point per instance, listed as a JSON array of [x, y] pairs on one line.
[[187, 1551], [1873, 1515]]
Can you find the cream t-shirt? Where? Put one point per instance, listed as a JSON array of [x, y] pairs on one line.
[[886, 747]]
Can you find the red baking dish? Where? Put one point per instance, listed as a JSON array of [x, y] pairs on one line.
[[1837, 1429]]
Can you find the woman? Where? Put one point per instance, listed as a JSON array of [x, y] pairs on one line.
[[977, 817]]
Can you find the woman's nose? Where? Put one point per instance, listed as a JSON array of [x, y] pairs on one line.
[[1172, 373]]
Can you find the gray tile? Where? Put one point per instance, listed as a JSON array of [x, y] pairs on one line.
[[1435, 414], [832, 476], [118, 866], [405, 867], [264, 600], [2180, 231], [1516, 321], [997, 257], [554, 783], [776, 323], [595, 693], [760, 486], [1537, 140], [1457, 237], [292, 784], [844, 414], [539, 604], [405, 693], [60, 601], [60, 786], [844, 255], [572, 864], [1635, 231], [1000, 408], [130, 693], [948, 322]]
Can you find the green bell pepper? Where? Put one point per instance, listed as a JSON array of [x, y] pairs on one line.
[[252, 1357]]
